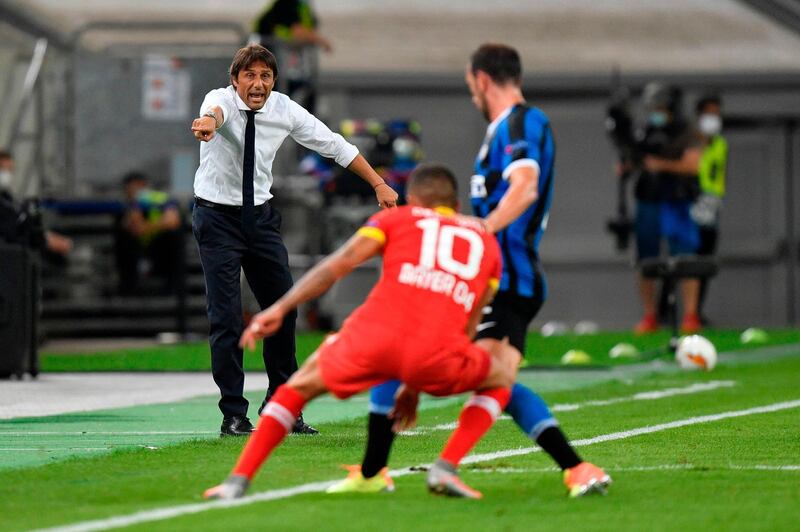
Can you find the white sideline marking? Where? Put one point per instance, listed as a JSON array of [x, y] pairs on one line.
[[146, 516], [649, 396], [58, 449], [109, 447], [638, 432], [112, 433], [641, 396], [663, 467]]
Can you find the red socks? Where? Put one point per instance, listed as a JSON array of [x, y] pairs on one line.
[[276, 422], [476, 419]]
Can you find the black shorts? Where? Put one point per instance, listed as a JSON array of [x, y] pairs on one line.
[[509, 315]]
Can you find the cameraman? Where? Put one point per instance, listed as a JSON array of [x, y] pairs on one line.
[[56, 245], [665, 190]]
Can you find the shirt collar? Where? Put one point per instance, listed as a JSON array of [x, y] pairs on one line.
[[243, 106], [496, 122], [445, 211]]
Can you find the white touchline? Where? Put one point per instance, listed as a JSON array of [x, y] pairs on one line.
[[662, 467], [649, 396], [146, 516], [111, 433], [641, 396]]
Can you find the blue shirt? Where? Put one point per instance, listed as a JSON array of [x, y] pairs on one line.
[[521, 136]]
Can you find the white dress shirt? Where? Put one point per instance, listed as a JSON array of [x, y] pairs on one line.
[[219, 176]]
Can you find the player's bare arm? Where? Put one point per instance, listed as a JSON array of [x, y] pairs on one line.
[[313, 284], [522, 192], [205, 127], [687, 165], [385, 194]]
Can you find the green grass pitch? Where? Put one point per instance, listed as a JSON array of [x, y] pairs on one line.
[[698, 455]]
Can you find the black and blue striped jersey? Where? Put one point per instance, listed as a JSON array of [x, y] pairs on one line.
[[521, 136]]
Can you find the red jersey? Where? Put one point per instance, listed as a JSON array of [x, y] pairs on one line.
[[437, 266]]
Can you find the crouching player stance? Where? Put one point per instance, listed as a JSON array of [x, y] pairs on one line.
[[439, 270]]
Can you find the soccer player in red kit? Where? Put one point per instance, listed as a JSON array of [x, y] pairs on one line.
[[439, 270]]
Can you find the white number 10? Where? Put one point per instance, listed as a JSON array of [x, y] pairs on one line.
[[437, 246]]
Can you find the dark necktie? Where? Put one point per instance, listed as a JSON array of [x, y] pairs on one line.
[[248, 169]]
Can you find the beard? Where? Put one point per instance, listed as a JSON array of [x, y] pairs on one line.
[[483, 107]]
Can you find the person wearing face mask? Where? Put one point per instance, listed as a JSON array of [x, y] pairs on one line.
[[711, 178], [665, 190], [56, 245]]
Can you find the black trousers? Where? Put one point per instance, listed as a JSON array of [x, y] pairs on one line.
[[224, 249]]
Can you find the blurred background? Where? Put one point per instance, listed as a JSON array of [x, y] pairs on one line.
[[96, 91]]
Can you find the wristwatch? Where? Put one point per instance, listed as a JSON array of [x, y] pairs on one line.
[[213, 115]]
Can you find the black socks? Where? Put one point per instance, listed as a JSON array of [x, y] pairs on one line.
[[553, 441], [379, 443]]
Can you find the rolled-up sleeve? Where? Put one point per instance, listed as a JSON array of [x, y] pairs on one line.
[[219, 98], [310, 132]]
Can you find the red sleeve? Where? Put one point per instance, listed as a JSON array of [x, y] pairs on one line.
[[379, 225]]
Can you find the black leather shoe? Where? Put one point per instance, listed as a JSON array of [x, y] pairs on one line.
[[236, 426], [264, 403], [301, 427]]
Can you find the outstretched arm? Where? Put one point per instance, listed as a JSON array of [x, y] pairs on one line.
[[385, 194], [313, 284], [206, 126]]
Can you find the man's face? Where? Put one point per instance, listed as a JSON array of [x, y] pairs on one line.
[[7, 163], [711, 108], [254, 83], [133, 188], [478, 94]]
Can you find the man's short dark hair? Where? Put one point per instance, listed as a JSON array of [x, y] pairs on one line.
[[706, 100], [499, 61], [434, 184], [5, 155], [134, 177], [251, 54]]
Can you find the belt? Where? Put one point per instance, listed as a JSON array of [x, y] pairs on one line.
[[232, 209]]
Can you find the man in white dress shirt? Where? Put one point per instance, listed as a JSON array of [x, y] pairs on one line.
[[241, 128]]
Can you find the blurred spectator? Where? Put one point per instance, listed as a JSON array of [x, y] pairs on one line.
[[148, 237], [289, 28], [665, 190], [56, 245], [293, 21], [392, 147], [711, 177], [6, 172]]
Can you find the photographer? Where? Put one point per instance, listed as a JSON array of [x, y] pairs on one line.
[[665, 189], [22, 223]]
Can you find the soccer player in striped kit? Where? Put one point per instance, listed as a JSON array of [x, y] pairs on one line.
[[512, 190]]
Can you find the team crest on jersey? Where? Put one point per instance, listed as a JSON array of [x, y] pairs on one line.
[[519, 145]]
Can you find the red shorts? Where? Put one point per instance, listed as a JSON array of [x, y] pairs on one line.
[[358, 358]]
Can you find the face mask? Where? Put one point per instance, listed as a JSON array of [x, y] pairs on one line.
[[658, 119], [709, 124], [5, 179]]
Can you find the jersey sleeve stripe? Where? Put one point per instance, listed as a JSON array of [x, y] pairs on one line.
[[519, 163], [372, 232]]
